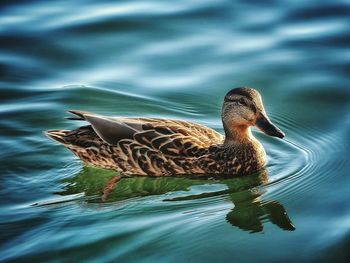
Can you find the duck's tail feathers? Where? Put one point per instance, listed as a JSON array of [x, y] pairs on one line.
[[58, 135]]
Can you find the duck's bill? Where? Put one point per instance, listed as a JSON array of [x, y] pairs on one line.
[[266, 126]]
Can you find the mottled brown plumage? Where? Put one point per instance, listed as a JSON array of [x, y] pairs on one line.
[[159, 147]]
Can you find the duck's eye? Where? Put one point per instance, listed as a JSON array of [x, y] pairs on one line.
[[237, 101], [242, 102]]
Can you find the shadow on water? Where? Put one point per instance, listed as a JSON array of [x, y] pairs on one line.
[[249, 213]]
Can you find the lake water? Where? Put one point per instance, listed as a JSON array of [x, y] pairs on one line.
[[175, 60]]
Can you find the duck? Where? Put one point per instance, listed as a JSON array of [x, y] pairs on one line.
[[167, 147]]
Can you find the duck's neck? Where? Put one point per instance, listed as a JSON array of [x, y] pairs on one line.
[[238, 135], [241, 140]]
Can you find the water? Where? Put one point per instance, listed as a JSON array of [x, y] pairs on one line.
[[175, 60]]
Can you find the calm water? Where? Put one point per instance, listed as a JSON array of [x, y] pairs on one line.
[[175, 60]]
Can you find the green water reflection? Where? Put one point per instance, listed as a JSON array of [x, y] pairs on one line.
[[249, 213]]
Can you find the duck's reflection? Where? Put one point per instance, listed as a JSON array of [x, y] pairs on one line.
[[249, 213]]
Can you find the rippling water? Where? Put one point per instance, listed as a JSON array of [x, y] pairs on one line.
[[175, 60]]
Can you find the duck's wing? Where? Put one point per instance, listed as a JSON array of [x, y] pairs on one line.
[[171, 137]]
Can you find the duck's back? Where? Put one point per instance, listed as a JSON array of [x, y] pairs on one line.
[[143, 146]]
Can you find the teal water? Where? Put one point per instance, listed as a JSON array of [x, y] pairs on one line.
[[175, 60]]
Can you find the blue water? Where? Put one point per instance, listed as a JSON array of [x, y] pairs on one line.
[[175, 60]]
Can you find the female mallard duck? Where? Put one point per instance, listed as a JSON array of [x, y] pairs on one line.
[[158, 147]]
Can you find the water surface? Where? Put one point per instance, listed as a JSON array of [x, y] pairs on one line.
[[175, 60]]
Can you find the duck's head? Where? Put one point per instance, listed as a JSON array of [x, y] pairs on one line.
[[242, 109]]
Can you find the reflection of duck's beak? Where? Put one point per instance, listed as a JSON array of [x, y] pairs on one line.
[[265, 125]]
